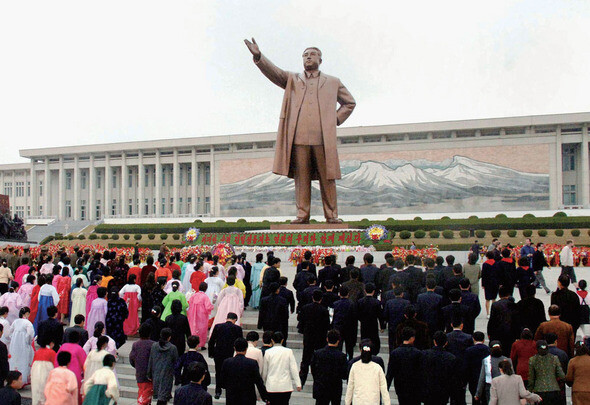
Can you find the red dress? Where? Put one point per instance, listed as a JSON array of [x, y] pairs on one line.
[[196, 279], [131, 324], [64, 286], [34, 303], [522, 351]]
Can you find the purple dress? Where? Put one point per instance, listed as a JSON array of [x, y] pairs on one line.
[[98, 313]]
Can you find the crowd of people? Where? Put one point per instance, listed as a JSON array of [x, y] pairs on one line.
[[63, 319]]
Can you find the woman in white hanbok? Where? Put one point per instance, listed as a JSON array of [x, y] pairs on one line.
[[78, 301], [21, 344], [214, 284]]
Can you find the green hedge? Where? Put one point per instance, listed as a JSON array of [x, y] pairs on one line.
[[464, 233], [81, 237], [419, 234], [542, 232], [164, 236], [480, 233], [434, 234], [137, 236], [151, 236], [126, 237], [176, 236], [527, 233], [556, 222], [104, 237], [511, 233], [448, 234], [496, 233], [115, 236], [93, 236], [559, 232], [405, 234], [47, 239]]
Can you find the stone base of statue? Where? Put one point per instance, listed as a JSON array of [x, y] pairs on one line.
[[308, 227]]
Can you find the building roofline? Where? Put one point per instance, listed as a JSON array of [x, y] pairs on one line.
[[477, 123]]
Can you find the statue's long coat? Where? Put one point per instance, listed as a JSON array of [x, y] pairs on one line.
[[330, 91]]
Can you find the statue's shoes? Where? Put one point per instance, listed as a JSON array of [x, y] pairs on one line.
[[300, 221], [334, 220]]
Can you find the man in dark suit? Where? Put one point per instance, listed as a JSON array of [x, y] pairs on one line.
[[300, 283], [405, 370], [371, 317], [271, 275], [454, 309], [307, 263], [474, 356], [329, 368], [345, 321], [393, 314], [429, 306], [79, 327], [221, 344], [51, 330], [314, 320], [447, 271], [568, 301], [274, 312], [459, 342], [439, 369], [329, 272], [286, 294], [504, 323], [415, 278], [239, 375], [368, 269], [422, 335], [531, 309], [356, 289], [194, 393], [470, 300], [453, 281], [385, 272], [306, 295], [330, 297]]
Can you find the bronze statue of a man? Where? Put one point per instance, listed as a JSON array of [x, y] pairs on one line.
[[306, 147]]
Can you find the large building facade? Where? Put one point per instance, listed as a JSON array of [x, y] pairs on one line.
[[517, 163]]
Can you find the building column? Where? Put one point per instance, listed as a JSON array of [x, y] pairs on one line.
[[175, 184], [194, 179], [585, 191], [76, 186], [559, 167], [107, 186], [213, 203], [140, 184], [158, 190], [46, 190], [124, 206], [34, 200], [91, 209], [61, 186]]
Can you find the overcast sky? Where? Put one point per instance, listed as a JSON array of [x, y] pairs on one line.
[[80, 72]]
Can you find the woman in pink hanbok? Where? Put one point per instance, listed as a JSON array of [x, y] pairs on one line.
[[199, 310], [56, 275], [22, 270], [230, 299], [76, 364], [131, 293], [13, 301], [26, 290], [98, 309], [91, 295]]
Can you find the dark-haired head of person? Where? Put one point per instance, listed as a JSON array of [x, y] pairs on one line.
[[440, 339], [408, 335], [278, 338], [193, 341], [231, 317], [64, 358], [196, 372], [369, 288], [176, 307], [333, 337], [145, 330]]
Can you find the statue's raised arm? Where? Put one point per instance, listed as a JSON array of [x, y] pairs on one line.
[[253, 48]]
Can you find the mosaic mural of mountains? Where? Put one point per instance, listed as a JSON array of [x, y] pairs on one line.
[[376, 186]]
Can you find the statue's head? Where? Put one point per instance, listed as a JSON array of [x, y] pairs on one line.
[[312, 58]]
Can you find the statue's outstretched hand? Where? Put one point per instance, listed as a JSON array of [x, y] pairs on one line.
[[253, 47]]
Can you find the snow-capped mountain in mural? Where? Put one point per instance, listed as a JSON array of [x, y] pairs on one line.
[[398, 183]]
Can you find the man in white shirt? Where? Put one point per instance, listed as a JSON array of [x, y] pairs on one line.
[[566, 259], [280, 371]]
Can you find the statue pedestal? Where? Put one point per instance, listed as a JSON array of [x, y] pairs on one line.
[[308, 227]]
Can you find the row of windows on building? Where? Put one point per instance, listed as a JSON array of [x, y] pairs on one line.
[[134, 208]]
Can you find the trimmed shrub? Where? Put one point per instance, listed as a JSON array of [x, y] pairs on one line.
[[448, 234], [47, 239], [528, 216], [445, 218], [417, 218], [176, 236], [104, 237], [151, 236], [480, 233], [163, 236], [560, 214], [126, 237], [82, 237], [473, 217], [241, 221], [542, 232], [419, 234], [501, 216], [115, 237], [405, 234], [220, 221], [464, 233], [71, 237], [137, 236], [434, 234], [559, 232], [59, 236], [93, 236], [575, 232], [365, 221], [511, 233], [496, 233], [527, 233]]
